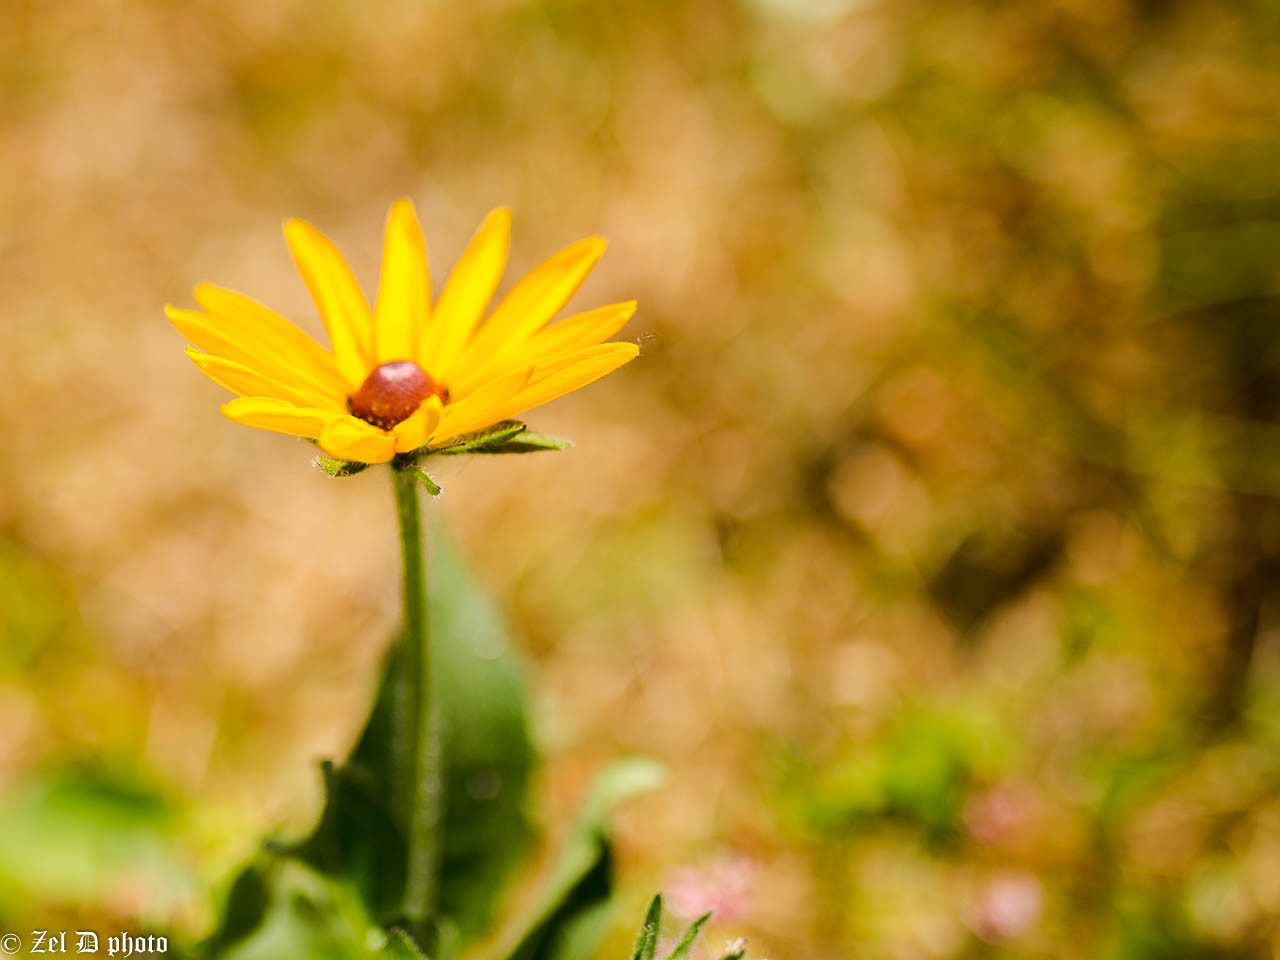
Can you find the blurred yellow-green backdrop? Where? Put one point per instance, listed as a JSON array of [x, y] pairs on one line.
[[931, 543]]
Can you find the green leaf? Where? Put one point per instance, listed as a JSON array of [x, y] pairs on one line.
[[75, 835], [570, 917], [487, 763], [400, 946], [357, 839], [647, 941], [686, 942], [488, 754], [304, 915], [245, 909], [333, 467], [333, 894], [286, 909]]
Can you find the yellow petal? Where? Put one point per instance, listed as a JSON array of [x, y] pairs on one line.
[[416, 430], [569, 379], [532, 303], [220, 338], [467, 294], [553, 365], [268, 413], [351, 439], [478, 409], [238, 378], [404, 290], [582, 329], [337, 295], [560, 338], [254, 323]]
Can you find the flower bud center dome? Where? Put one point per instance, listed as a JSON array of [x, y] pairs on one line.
[[393, 392]]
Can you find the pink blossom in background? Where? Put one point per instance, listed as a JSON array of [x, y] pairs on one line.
[[1008, 906], [722, 886], [997, 815]]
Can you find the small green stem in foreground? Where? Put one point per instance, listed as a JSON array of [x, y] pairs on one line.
[[418, 788]]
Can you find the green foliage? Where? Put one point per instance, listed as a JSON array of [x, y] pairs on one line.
[[525, 442], [339, 893], [427, 482], [471, 442], [33, 606], [279, 907], [400, 947], [918, 773], [686, 942], [334, 467], [567, 920], [1156, 928], [509, 436], [488, 757], [647, 940], [77, 834]]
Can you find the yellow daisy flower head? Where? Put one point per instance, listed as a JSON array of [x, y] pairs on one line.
[[409, 373]]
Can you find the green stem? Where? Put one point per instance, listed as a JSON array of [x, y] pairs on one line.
[[418, 789]]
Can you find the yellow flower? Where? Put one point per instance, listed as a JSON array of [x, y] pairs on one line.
[[408, 373]]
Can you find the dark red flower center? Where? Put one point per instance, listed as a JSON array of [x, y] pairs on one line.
[[393, 392]]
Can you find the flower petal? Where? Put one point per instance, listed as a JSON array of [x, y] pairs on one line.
[[415, 431], [467, 294], [337, 295], [269, 413], [349, 438], [479, 408], [532, 303], [562, 337], [240, 379], [582, 329], [569, 379], [404, 290], [254, 323], [553, 365], [232, 342]]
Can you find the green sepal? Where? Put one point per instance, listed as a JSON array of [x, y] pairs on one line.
[[525, 442], [474, 442], [427, 482], [334, 467], [509, 436]]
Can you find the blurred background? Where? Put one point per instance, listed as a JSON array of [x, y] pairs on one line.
[[932, 542]]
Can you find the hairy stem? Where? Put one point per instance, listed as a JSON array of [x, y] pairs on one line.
[[418, 729]]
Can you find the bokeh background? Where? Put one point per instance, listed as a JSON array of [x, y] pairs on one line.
[[932, 542]]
